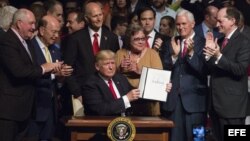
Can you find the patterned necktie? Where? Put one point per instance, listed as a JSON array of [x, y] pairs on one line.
[[47, 55], [184, 51], [224, 43], [96, 47], [112, 88]]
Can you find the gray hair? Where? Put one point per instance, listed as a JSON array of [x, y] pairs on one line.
[[20, 14], [6, 14], [187, 13]]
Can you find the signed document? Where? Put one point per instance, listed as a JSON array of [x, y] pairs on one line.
[[153, 84]]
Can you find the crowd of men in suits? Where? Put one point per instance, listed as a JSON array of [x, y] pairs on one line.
[[39, 66]]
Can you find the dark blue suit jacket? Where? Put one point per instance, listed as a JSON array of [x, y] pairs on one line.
[[98, 99], [45, 86], [199, 31], [188, 77]]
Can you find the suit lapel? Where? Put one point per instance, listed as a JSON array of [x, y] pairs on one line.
[[104, 87], [229, 44], [86, 43], [39, 54], [118, 85], [21, 45], [104, 39]]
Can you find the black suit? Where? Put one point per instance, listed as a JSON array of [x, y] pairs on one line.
[[1, 32], [18, 73], [229, 83], [246, 31], [78, 53], [98, 99]]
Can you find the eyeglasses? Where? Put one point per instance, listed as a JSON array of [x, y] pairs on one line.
[[139, 39]]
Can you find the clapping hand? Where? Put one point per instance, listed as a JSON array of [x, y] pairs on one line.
[[211, 46], [176, 45], [190, 46]]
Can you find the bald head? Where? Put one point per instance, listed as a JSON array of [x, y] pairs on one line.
[[210, 16], [94, 15], [49, 28]]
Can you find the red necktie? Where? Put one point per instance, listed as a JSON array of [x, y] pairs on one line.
[[184, 51], [224, 43], [147, 42], [112, 88], [95, 44]]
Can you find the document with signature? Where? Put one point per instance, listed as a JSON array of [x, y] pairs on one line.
[[153, 84]]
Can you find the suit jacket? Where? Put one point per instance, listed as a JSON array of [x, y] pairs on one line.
[[18, 73], [79, 54], [229, 77], [98, 99], [189, 78], [1, 32], [162, 37], [45, 86], [199, 31], [246, 31]]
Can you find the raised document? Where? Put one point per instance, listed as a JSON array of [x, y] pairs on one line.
[[153, 84]]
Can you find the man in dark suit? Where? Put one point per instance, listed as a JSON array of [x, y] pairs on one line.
[[155, 40], [18, 73], [183, 55], [228, 64], [43, 125], [98, 99], [209, 23], [79, 51]]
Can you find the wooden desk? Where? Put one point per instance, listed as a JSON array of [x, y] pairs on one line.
[[147, 128]]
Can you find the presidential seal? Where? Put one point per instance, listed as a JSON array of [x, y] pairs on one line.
[[121, 129]]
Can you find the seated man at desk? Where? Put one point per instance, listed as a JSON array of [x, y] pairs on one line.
[[107, 93]]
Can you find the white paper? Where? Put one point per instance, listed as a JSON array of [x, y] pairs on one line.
[[77, 107], [153, 84], [143, 80]]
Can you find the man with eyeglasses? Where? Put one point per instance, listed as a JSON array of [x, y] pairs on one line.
[[18, 74], [43, 124]]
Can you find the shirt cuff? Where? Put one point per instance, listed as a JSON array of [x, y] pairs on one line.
[[43, 69], [207, 58], [174, 59], [218, 59], [126, 102]]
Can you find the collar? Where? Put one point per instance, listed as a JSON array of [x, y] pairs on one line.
[[104, 79], [190, 37], [40, 43], [230, 34], [18, 35], [205, 28], [152, 34], [92, 32]]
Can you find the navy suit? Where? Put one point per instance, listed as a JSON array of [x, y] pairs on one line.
[[199, 31], [45, 111], [189, 91], [98, 99]]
